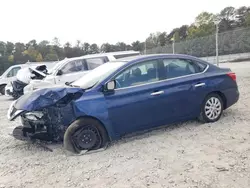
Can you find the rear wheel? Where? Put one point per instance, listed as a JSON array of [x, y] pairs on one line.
[[212, 108], [2, 89], [85, 134]]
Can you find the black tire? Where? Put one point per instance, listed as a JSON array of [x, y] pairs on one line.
[[2, 89], [94, 131], [203, 115]]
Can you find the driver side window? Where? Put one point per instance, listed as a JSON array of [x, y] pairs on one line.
[[13, 71], [141, 73]]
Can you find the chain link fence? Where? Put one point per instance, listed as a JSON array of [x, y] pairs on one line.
[[230, 44]]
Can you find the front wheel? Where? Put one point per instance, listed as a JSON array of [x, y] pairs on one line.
[[85, 134], [2, 89], [211, 109]]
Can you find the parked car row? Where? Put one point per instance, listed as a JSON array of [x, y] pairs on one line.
[[122, 96], [65, 71], [10, 74]]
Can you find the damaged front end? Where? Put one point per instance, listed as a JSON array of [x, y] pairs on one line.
[[45, 114]]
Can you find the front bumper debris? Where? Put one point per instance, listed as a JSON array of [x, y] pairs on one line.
[[13, 112]]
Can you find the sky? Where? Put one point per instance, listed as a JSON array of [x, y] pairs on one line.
[[99, 21]]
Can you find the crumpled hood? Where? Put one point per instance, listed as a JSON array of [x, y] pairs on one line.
[[42, 98]]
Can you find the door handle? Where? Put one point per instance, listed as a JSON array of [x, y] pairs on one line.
[[157, 93], [199, 85]]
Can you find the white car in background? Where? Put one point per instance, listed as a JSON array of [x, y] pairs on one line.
[[9, 75], [71, 69]]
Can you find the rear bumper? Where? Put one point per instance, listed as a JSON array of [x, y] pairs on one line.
[[232, 96]]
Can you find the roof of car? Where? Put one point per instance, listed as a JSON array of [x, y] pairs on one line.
[[150, 56], [102, 54], [112, 53]]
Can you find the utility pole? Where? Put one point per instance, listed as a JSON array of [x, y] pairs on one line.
[[217, 47], [217, 22], [145, 46], [173, 45]]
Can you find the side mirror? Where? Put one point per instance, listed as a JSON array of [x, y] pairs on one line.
[[110, 86], [59, 73]]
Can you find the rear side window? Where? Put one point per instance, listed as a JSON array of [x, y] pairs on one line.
[[92, 63], [80, 65], [202, 66], [181, 67], [74, 66]]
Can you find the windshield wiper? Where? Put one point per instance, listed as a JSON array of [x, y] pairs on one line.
[[70, 84]]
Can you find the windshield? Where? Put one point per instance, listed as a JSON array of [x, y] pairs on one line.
[[97, 75], [5, 72], [56, 66]]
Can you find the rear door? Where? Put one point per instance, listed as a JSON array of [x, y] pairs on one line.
[[183, 88], [92, 63]]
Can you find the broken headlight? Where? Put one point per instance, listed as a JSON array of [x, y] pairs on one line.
[[34, 115]]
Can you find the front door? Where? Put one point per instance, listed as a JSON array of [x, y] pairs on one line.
[[132, 105]]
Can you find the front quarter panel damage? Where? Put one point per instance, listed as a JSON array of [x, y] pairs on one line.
[[56, 107]]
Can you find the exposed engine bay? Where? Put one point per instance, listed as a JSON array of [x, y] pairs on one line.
[[48, 124], [46, 116]]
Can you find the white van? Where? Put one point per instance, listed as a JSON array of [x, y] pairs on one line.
[[71, 69], [9, 75]]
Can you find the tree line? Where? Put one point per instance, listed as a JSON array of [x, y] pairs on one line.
[[228, 19]]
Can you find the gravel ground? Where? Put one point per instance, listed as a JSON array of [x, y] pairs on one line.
[[190, 154]]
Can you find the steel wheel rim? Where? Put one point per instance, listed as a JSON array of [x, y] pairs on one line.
[[213, 108], [87, 138]]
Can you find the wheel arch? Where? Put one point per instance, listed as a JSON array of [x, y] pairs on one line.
[[99, 121], [223, 97], [3, 85]]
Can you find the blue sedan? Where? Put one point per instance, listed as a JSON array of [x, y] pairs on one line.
[[125, 96]]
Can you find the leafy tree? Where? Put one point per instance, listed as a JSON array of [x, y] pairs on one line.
[[56, 42], [138, 46], [43, 47], [9, 48], [162, 39], [204, 18], [183, 32], [31, 43], [121, 46], [106, 47], [227, 17], [2, 48], [94, 49], [11, 58], [67, 49], [33, 54], [247, 22], [19, 57], [52, 56], [85, 48], [241, 15]]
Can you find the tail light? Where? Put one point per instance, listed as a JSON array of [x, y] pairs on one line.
[[232, 75]]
